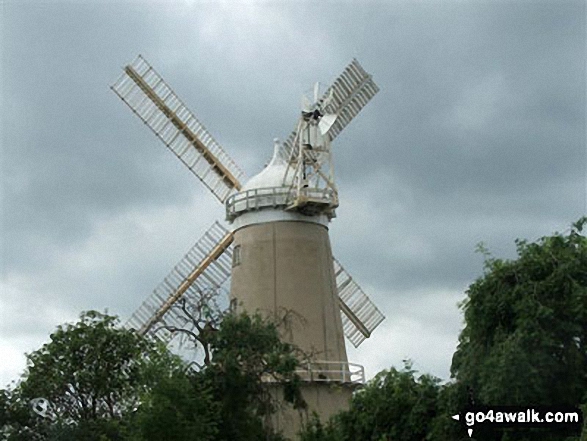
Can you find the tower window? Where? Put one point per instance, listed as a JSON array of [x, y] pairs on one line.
[[236, 256]]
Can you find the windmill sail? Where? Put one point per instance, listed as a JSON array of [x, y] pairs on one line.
[[351, 91], [206, 266], [360, 315], [153, 101]]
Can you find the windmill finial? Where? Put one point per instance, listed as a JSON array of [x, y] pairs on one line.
[[276, 149]]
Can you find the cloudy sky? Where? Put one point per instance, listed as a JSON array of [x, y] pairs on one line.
[[477, 134]]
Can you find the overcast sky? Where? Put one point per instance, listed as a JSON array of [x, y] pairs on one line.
[[477, 134]]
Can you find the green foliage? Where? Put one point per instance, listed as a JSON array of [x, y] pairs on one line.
[[106, 383], [395, 405], [525, 339], [178, 408], [91, 369], [315, 430], [16, 421], [246, 351], [226, 399], [452, 398], [92, 373]]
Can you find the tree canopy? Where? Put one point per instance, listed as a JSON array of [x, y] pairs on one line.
[[525, 338], [397, 405], [230, 391], [103, 382], [92, 373]]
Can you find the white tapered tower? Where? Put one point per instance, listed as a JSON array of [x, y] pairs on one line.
[[283, 264]]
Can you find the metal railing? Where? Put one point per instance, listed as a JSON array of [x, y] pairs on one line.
[[272, 197], [332, 372], [340, 372]]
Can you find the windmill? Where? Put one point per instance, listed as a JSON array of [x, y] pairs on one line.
[[276, 248]]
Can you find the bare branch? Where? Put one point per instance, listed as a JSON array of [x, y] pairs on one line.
[[175, 329]]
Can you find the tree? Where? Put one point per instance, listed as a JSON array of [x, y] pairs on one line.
[[226, 397], [247, 352], [92, 374], [525, 338], [202, 316]]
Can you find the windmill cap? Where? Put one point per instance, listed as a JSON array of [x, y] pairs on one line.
[[264, 197], [273, 174]]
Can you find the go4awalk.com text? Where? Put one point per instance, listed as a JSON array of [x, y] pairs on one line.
[[564, 419]]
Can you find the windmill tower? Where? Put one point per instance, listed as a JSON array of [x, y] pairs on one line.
[[277, 248]]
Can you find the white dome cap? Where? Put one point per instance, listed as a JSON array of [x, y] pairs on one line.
[[273, 174]]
